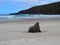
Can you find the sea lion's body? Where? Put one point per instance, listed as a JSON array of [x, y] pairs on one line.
[[35, 28]]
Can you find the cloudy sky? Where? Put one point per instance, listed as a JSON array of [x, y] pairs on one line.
[[12, 6]]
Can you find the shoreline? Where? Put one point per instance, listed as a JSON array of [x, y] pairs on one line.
[[32, 19]]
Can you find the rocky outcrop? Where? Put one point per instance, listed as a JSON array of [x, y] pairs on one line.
[[53, 8]]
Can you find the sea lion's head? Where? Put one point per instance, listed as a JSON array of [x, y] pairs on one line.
[[37, 23]]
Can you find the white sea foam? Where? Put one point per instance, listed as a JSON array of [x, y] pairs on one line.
[[16, 17]]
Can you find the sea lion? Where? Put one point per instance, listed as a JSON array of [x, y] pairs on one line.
[[34, 28]]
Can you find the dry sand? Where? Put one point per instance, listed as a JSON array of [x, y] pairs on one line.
[[15, 32]]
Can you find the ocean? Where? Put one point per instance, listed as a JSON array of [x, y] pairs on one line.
[[26, 16]]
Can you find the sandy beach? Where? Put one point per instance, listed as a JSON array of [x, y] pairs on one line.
[[15, 32]]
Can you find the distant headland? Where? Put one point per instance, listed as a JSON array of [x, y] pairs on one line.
[[53, 8]]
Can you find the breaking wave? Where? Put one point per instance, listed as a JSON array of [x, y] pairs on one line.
[[26, 16]]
